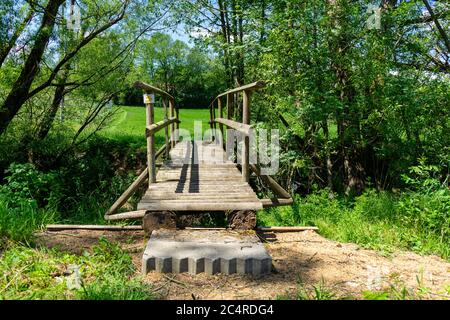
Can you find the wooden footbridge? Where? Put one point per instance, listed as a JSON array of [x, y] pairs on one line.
[[197, 176]]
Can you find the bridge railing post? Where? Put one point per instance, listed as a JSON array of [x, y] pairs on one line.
[[172, 126], [151, 158], [166, 129], [247, 96], [220, 106]]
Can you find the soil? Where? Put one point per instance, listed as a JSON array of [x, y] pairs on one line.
[[344, 269]]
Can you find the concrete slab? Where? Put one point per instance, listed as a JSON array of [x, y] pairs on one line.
[[209, 251]]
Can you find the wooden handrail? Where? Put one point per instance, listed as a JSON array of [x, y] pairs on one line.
[[148, 88], [249, 87], [154, 128], [243, 128]]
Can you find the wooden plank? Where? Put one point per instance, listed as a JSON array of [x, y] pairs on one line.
[[213, 196], [201, 190], [127, 215], [243, 128], [128, 193], [60, 227], [253, 206]]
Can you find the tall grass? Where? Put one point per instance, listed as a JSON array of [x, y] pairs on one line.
[[19, 222], [106, 273], [378, 220]]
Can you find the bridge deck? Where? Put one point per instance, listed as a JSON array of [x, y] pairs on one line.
[[198, 178]]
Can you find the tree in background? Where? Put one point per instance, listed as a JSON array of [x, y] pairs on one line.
[[191, 75]]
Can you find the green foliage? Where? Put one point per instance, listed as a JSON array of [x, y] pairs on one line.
[[27, 184], [20, 219], [23, 199], [106, 274]]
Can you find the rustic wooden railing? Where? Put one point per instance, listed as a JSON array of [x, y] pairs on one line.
[[152, 128], [244, 127]]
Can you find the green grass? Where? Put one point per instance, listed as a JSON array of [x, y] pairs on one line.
[[380, 221], [129, 123], [20, 222], [106, 273]]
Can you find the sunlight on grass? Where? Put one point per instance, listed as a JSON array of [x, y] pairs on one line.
[[129, 123]]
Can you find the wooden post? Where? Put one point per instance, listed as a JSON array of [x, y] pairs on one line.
[[177, 111], [172, 127], [221, 116], [246, 148], [230, 109], [151, 161], [166, 130]]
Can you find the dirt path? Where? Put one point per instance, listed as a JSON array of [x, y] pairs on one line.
[[345, 270]]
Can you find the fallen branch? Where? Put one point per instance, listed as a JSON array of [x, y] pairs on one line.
[[127, 215]]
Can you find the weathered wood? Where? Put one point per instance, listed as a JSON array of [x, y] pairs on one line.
[[286, 229], [230, 109], [243, 128], [199, 196], [270, 203], [274, 186], [151, 156], [127, 215], [157, 220], [200, 206], [160, 152], [220, 117], [246, 146], [151, 89], [249, 87], [60, 227], [128, 193], [172, 126], [166, 129], [163, 124]]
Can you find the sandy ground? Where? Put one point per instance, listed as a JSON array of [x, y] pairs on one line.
[[346, 270]]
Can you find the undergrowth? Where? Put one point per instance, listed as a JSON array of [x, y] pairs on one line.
[[106, 273]]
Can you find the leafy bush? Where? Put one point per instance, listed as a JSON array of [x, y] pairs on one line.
[[26, 184]]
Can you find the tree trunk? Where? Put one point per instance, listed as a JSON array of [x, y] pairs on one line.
[[6, 48], [20, 90], [49, 117], [347, 118]]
